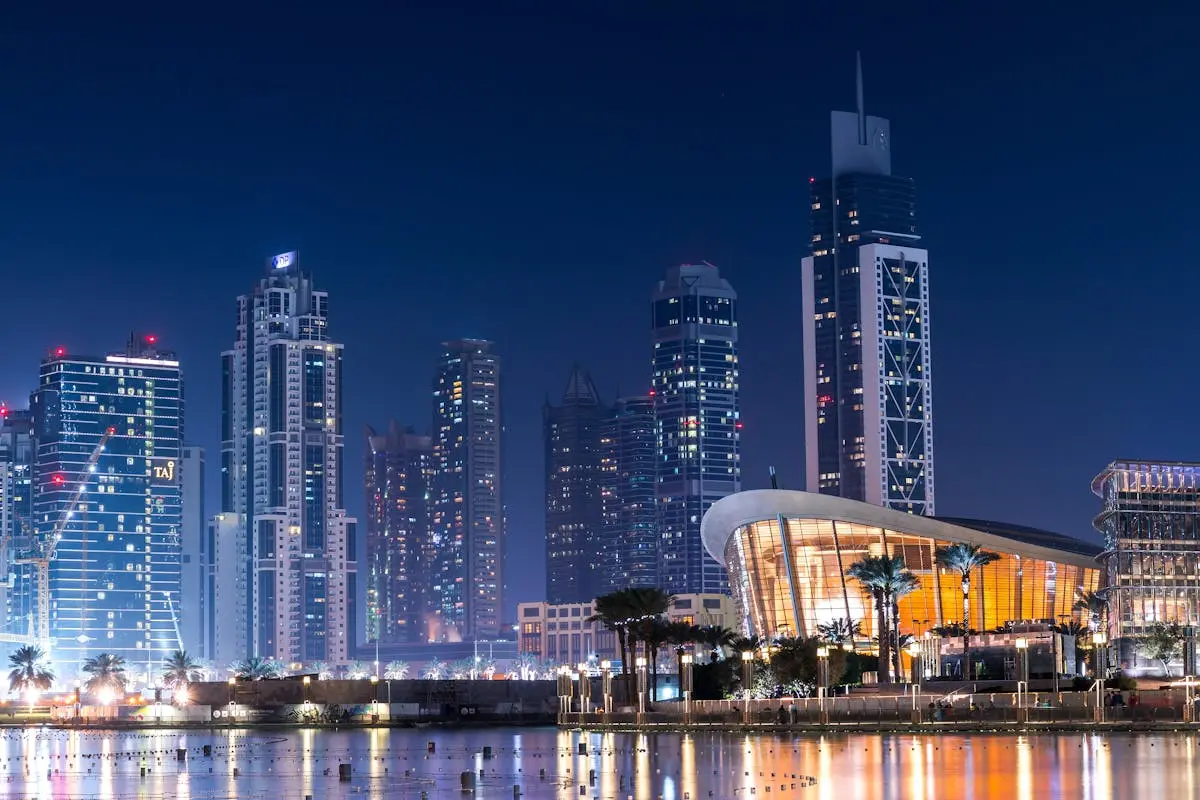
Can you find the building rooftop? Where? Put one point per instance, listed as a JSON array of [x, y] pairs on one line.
[[1021, 533]]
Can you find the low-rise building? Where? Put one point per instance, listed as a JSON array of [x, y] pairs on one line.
[[562, 634]]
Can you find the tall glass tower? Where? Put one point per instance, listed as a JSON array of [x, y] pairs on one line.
[[17, 461], [290, 593], [629, 542], [868, 398], [698, 429], [467, 533], [115, 571]]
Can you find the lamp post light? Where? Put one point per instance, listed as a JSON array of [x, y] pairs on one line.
[[822, 680], [606, 684], [685, 686], [1100, 655], [232, 689], [307, 681], [918, 666], [78, 700], [374, 698], [641, 676], [1022, 645], [747, 680], [585, 688]]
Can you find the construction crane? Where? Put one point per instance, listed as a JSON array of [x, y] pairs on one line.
[[42, 562]]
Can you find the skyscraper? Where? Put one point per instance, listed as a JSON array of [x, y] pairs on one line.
[[195, 608], [17, 451], [293, 583], [114, 574], [629, 542], [574, 497], [467, 580], [868, 406], [399, 557], [695, 389]]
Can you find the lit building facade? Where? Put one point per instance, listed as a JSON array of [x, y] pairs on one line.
[[560, 633], [788, 553], [195, 610], [628, 473], [399, 556], [1150, 520], [698, 429], [114, 578], [467, 527], [868, 395], [17, 452], [575, 494], [293, 583]]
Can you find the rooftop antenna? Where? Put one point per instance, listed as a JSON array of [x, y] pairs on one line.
[[774, 482], [862, 117]]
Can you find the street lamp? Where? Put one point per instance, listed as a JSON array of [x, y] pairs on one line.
[[307, 681], [585, 688], [685, 685], [78, 699], [1022, 671], [375, 697], [232, 684], [641, 671], [606, 684], [822, 680], [914, 653], [747, 678]]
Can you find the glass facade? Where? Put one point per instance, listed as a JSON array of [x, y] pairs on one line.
[[698, 427], [115, 573], [17, 461], [629, 550], [1150, 520], [788, 572]]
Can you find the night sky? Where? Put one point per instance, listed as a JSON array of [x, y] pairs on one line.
[[525, 172]]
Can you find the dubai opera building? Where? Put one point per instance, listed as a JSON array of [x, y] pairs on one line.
[[787, 553]]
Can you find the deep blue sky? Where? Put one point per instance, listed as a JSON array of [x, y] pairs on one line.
[[526, 171]]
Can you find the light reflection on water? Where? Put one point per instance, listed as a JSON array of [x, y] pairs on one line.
[[287, 765]]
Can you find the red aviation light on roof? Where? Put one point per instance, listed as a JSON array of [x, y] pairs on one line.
[[59, 480], [59, 352], [151, 339], [3, 410]]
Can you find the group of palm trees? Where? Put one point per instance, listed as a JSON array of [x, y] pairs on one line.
[[107, 674], [639, 616]]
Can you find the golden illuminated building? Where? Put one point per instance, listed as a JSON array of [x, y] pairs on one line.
[[788, 552]]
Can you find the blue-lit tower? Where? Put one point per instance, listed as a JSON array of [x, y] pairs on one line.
[[695, 387], [114, 578]]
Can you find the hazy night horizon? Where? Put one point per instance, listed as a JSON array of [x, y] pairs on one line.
[[527, 175]]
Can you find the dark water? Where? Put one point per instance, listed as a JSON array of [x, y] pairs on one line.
[[40, 763]]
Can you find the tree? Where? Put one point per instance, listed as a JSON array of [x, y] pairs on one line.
[[654, 633], [358, 671], [256, 668], [1082, 636], [1095, 605], [647, 606], [396, 670], [613, 611], [323, 670], [886, 579], [29, 670], [963, 559], [107, 673], [715, 639], [840, 631], [1162, 642], [434, 669], [181, 669], [681, 635]]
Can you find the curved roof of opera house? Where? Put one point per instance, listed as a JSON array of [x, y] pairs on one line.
[[732, 512]]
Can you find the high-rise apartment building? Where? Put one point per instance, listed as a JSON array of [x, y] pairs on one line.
[[628, 471], [195, 610], [695, 386], [292, 589], [868, 404], [399, 556], [17, 451], [114, 574], [467, 529], [574, 494]]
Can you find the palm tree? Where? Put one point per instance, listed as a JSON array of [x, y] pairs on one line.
[[963, 558], [715, 638], [396, 670], [647, 607], [29, 670], [256, 668], [681, 634], [741, 644], [886, 579], [107, 672], [357, 671], [840, 631], [181, 669], [1096, 606], [434, 669], [323, 670], [613, 611]]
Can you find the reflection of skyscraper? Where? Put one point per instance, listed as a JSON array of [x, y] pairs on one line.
[[281, 468], [115, 572], [629, 541], [574, 511], [698, 430], [865, 310], [397, 528], [467, 533]]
